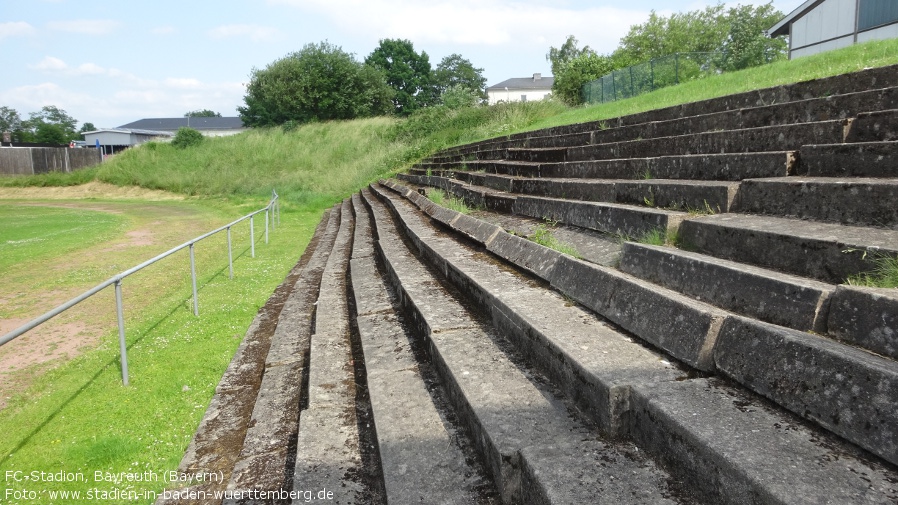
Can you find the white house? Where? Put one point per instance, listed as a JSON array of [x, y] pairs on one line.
[[822, 25], [521, 89]]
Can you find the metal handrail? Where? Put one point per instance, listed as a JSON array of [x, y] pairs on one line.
[[273, 206]]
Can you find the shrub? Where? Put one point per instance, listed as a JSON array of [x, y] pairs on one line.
[[187, 137]]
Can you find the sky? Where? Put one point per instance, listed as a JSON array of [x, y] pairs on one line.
[[113, 62]]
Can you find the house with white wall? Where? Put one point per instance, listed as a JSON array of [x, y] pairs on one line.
[[520, 89], [208, 126], [822, 25]]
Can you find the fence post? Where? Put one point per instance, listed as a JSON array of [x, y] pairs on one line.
[[230, 256], [652, 63], [252, 237], [196, 305], [123, 347]]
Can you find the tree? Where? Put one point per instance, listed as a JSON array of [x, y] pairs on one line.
[[456, 71], [458, 96], [49, 115], [10, 121], [694, 31], [575, 73], [49, 133], [407, 72], [558, 57], [202, 113], [747, 44], [318, 83], [86, 127]]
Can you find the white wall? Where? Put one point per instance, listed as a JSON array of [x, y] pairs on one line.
[[514, 95]]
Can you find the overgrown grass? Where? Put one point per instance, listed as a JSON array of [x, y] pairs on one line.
[[439, 197], [544, 236], [883, 275]]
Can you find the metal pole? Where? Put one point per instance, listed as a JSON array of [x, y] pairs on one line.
[[196, 305], [230, 256], [252, 237], [123, 348], [266, 226], [677, 66]]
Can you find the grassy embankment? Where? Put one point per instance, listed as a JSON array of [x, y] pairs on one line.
[[77, 417]]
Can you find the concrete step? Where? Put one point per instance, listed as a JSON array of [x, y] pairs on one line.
[[328, 450], [875, 126], [537, 452], [420, 453], [866, 317], [862, 159], [244, 394], [841, 106], [690, 446], [723, 167], [851, 201], [770, 296], [760, 139], [823, 251]]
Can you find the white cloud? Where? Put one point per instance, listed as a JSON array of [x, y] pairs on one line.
[[484, 22], [15, 29], [85, 26], [256, 33], [49, 64]]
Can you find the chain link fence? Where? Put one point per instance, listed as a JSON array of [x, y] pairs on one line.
[[651, 75]]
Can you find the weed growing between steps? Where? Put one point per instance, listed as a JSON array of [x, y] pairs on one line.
[[439, 197], [883, 275], [656, 236], [543, 236]]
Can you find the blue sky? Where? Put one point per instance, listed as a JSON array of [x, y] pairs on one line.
[[113, 62]]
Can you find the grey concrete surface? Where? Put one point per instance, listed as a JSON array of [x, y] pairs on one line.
[[851, 392], [862, 159], [774, 297], [866, 317]]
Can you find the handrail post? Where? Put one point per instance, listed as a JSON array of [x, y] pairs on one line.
[[252, 237], [230, 256], [123, 347], [196, 305]]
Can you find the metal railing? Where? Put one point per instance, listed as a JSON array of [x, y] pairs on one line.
[[273, 208], [651, 75]]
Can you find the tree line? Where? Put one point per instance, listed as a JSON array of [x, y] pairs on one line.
[[323, 82], [50, 125], [737, 34]]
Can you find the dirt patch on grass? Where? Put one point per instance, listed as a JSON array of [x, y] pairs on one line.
[[90, 190]]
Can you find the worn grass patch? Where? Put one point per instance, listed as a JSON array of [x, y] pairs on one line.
[[439, 197], [544, 236], [883, 275]]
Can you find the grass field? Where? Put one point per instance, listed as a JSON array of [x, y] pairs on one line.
[[71, 413]]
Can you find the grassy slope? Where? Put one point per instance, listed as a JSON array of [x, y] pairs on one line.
[[78, 417]]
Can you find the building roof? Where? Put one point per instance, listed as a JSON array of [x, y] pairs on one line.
[[129, 131], [198, 123], [782, 28], [519, 83]]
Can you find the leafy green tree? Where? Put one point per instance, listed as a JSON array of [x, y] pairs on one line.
[[458, 96], [320, 82], [407, 72], [456, 71], [86, 127], [747, 44], [49, 133], [575, 73], [559, 56], [10, 121], [187, 137], [694, 31], [202, 113], [52, 115]]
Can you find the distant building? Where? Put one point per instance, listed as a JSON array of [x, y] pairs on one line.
[[208, 126], [114, 140], [822, 25], [521, 89]]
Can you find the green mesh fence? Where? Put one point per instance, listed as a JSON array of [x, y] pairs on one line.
[[651, 75]]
